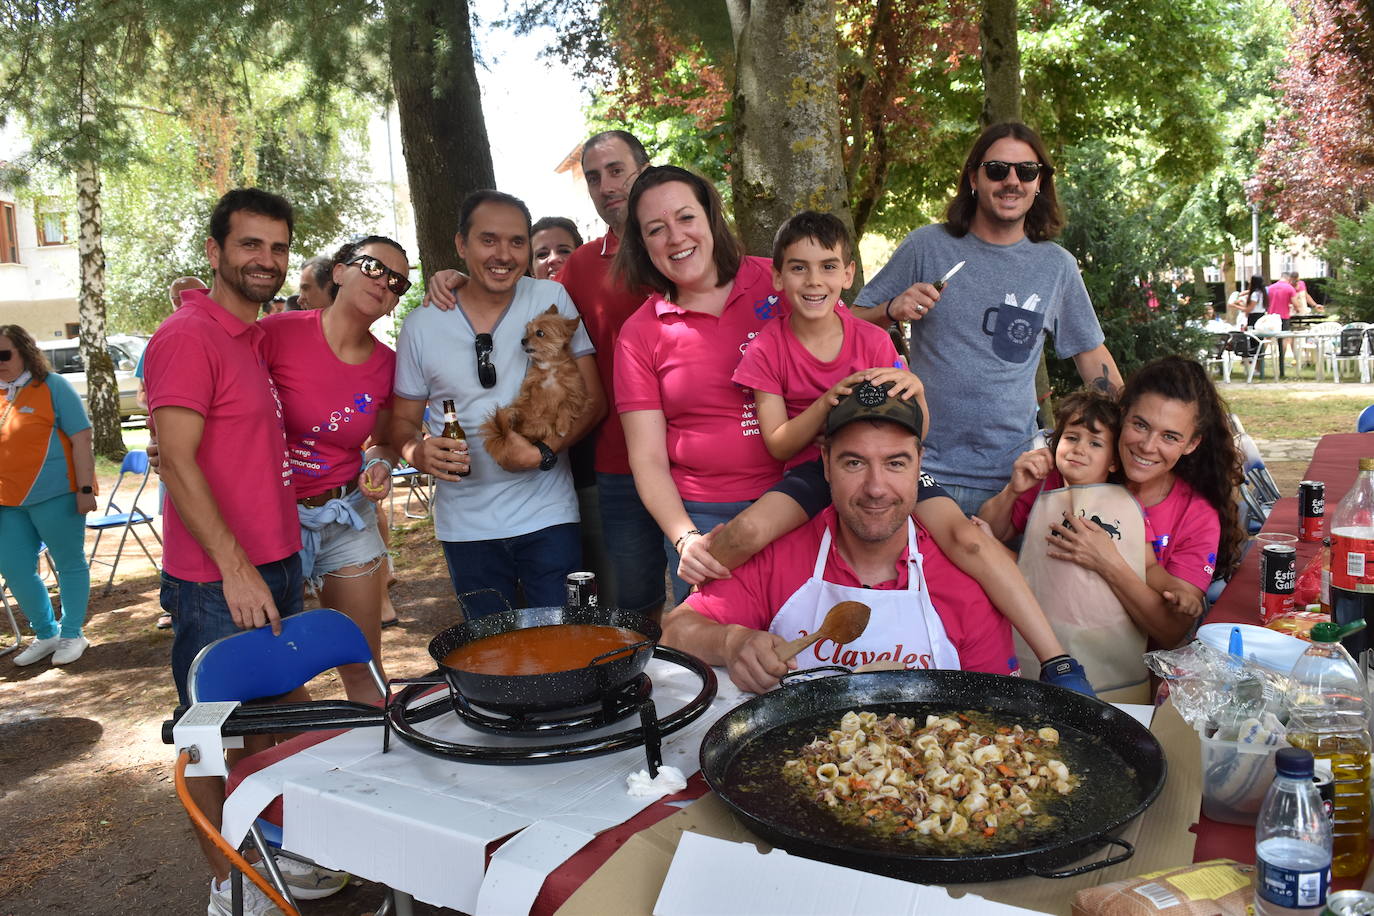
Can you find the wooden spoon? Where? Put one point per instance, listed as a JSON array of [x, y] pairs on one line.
[[844, 623]]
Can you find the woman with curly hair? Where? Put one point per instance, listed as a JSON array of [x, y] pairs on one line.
[[1180, 461]]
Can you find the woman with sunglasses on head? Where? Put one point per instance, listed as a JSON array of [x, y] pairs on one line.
[[47, 486], [334, 380], [693, 440]]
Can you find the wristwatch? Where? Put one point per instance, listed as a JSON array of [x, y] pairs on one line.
[[547, 457], [87, 491]]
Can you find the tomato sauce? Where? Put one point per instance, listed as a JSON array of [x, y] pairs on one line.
[[540, 650]]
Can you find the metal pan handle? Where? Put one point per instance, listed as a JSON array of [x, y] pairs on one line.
[[479, 591], [1091, 866], [620, 651], [811, 674]]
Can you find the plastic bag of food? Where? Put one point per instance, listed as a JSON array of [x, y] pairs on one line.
[[1217, 692], [1219, 886]]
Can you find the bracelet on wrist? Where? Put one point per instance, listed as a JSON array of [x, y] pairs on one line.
[[373, 462], [887, 310], [682, 541]]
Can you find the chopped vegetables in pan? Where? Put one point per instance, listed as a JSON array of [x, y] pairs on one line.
[[957, 776]]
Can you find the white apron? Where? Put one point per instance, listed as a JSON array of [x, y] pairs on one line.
[[1081, 607], [902, 627]]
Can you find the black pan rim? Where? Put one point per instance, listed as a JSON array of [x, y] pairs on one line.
[[975, 867]]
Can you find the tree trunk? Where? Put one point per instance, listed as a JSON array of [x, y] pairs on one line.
[[1001, 63], [1228, 272], [443, 133], [788, 155]]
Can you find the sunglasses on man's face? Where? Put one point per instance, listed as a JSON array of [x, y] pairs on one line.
[[373, 268], [486, 372], [1026, 171]]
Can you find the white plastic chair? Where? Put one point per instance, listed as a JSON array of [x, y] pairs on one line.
[[1219, 355], [1319, 343], [1352, 345]]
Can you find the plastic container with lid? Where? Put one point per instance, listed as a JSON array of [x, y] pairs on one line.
[[1329, 716]]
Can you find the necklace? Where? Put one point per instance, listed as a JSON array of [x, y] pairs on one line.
[[9, 408]]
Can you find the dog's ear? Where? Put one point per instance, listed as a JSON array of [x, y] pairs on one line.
[[571, 324], [553, 310]]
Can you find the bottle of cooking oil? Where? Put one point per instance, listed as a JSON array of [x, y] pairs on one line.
[[1329, 716]]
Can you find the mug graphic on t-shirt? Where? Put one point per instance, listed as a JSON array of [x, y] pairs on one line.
[[1015, 328]]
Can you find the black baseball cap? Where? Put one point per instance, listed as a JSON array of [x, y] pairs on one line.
[[873, 402]]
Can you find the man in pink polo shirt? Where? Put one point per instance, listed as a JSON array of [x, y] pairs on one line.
[[1281, 296], [231, 534], [925, 612]]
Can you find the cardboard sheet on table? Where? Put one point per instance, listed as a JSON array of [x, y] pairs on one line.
[[743, 880], [634, 875], [341, 797]]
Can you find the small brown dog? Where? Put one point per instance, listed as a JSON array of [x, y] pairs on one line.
[[552, 396]]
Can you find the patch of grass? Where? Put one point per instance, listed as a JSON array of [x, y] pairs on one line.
[[1276, 413]]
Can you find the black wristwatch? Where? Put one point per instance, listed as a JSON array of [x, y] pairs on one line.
[[87, 491], [547, 458]]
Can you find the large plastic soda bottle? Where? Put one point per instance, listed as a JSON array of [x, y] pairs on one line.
[[1329, 716], [1352, 558], [1292, 841]]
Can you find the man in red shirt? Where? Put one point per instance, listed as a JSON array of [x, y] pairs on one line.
[[925, 612], [611, 161]]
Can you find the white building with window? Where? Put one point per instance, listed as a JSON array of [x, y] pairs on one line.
[[39, 268]]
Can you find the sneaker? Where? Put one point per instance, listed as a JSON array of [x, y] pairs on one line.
[[69, 649], [255, 902], [310, 882], [38, 650]]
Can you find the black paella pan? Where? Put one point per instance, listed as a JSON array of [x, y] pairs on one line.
[[1120, 764], [524, 693]]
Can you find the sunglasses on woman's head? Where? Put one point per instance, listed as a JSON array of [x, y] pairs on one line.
[[371, 267], [1026, 171], [486, 372]]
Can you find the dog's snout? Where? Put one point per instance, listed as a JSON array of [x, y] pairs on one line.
[[524, 341]]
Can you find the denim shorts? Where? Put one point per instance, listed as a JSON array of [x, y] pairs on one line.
[[201, 616], [342, 545]]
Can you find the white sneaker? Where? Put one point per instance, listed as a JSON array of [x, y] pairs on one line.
[[69, 649], [255, 902], [38, 650], [310, 882]]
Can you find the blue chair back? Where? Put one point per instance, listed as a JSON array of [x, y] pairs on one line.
[[255, 664], [135, 462], [1365, 424]]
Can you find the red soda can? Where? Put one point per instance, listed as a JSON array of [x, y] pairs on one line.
[[1278, 575], [1311, 509]]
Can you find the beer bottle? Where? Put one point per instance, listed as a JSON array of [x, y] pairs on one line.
[[453, 429]]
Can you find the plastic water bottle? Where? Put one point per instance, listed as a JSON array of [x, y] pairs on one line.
[[1329, 716], [1292, 842]]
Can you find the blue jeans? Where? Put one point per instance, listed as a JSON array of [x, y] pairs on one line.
[[634, 544], [200, 615], [539, 561], [704, 516], [970, 499], [23, 532]]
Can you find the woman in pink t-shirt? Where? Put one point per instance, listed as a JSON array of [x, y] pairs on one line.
[[695, 447], [334, 380], [1180, 462]]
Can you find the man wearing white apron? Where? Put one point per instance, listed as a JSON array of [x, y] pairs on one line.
[[865, 547]]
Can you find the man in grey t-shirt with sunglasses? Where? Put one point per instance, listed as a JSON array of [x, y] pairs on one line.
[[977, 352], [499, 526]]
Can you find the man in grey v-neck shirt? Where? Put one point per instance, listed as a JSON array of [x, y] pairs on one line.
[[498, 526], [978, 351]]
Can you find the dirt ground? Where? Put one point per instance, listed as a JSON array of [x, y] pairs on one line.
[[91, 824]]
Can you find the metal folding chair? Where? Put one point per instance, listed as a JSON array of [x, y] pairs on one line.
[[7, 596], [255, 664], [419, 488], [136, 464]]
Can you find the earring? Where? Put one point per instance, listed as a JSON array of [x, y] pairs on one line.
[[975, 192]]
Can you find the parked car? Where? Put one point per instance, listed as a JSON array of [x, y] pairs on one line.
[[65, 356]]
